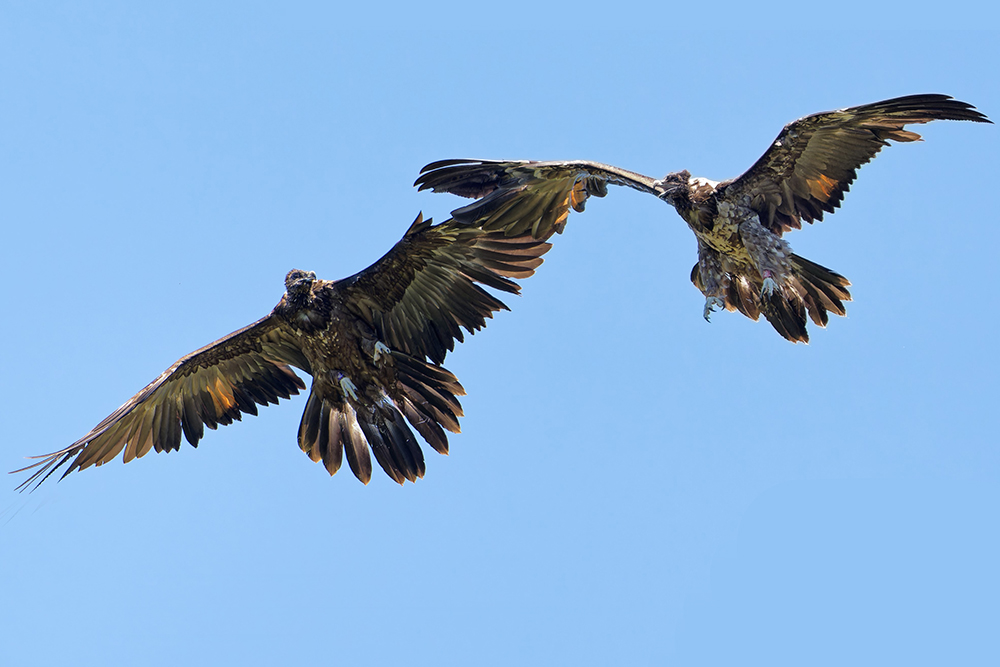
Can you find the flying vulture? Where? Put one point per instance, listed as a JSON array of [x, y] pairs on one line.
[[373, 344], [743, 263]]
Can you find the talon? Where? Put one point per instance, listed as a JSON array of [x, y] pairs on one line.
[[346, 386], [381, 350], [711, 303], [768, 289], [769, 285]]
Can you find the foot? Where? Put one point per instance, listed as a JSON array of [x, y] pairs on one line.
[[711, 303], [381, 350], [769, 285], [346, 386]]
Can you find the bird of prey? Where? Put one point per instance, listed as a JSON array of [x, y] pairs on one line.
[[743, 262], [373, 343]]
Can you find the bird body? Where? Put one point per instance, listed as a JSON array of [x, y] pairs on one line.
[[743, 262], [373, 344], [359, 393]]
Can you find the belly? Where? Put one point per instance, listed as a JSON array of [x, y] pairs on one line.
[[724, 238], [341, 348], [723, 234]]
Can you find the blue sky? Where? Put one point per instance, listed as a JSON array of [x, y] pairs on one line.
[[632, 484]]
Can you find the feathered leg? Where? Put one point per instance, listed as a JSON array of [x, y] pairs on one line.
[[769, 252], [714, 280]]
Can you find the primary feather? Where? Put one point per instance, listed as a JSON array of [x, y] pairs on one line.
[[743, 263], [373, 343]]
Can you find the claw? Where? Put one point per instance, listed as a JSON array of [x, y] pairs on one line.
[[346, 386], [769, 286], [381, 350], [711, 303]]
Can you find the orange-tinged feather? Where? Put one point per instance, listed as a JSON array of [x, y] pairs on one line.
[[578, 196], [223, 396], [822, 187]]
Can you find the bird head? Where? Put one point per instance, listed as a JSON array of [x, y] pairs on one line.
[[299, 282], [673, 187]]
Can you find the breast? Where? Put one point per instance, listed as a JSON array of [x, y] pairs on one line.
[[309, 319], [724, 234]]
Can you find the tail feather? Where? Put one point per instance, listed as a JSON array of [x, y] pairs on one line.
[[815, 291], [426, 399], [429, 399], [432, 390], [392, 442], [328, 431], [331, 432], [787, 316], [310, 427], [355, 445], [744, 295], [825, 290], [429, 429]]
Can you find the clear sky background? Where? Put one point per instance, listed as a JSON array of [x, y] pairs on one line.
[[632, 485]]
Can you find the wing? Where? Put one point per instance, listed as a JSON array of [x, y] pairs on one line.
[[423, 292], [522, 197], [209, 387], [814, 160]]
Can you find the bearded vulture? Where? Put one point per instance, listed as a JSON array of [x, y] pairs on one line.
[[743, 263], [373, 344]]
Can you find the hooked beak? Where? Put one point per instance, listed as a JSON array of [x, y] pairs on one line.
[[665, 190]]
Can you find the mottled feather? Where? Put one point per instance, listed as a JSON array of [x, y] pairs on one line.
[[525, 197], [423, 293], [814, 160], [200, 389], [738, 223], [415, 301]]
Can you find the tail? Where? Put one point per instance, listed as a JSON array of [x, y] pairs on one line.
[[425, 394], [813, 289]]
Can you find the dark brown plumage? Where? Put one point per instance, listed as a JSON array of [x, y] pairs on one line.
[[373, 343], [743, 263]]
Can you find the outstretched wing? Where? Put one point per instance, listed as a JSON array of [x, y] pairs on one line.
[[814, 160], [522, 197], [209, 387], [423, 292]]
